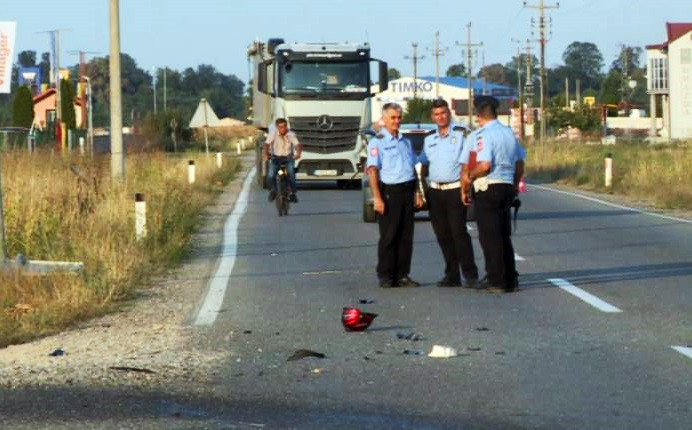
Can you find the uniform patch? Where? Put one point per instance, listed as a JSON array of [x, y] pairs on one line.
[[479, 144], [454, 140], [374, 152]]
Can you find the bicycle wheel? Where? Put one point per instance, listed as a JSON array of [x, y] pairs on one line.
[[280, 193]]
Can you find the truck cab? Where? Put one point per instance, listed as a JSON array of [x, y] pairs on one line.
[[323, 90]]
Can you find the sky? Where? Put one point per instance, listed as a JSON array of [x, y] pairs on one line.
[[185, 33]]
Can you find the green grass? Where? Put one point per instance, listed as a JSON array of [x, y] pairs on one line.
[[659, 174], [51, 214]]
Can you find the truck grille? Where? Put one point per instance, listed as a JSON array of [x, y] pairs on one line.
[[326, 134]]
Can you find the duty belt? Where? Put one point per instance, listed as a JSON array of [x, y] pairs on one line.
[[444, 185]]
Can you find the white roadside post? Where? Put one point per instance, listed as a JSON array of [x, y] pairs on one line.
[[140, 216], [191, 172], [609, 170], [237, 148], [81, 146], [219, 160]]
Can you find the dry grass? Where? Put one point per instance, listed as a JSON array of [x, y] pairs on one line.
[[52, 214], [655, 173]]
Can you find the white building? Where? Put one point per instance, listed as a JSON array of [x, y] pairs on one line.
[[669, 75], [454, 90]]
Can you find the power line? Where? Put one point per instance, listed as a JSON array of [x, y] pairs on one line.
[[543, 40], [415, 58]]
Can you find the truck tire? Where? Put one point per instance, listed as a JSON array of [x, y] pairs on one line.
[[369, 214]]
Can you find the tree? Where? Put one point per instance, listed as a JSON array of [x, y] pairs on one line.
[[417, 110], [498, 74], [27, 58], [611, 90], [628, 60], [23, 108], [67, 103], [393, 73], [583, 61], [456, 71]]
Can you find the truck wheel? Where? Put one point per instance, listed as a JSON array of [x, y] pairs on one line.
[[369, 214]]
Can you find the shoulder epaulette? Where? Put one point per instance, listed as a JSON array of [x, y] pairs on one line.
[[458, 128], [380, 136]]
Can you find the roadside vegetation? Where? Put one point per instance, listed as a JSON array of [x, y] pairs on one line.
[[658, 174], [51, 213]]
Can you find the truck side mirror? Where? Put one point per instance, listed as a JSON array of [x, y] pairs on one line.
[[384, 78], [262, 77]]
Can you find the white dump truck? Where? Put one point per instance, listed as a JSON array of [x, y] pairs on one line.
[[323, 90]]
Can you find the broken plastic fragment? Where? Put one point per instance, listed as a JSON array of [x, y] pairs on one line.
[[304, 353], [57, 353], [441, 351]]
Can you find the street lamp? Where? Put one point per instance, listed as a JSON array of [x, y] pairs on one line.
[[153, 79]]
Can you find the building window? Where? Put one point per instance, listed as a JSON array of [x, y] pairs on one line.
[[658, 74], [686, 56]]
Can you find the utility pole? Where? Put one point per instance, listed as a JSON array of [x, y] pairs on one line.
[[485, 87], [578, 91], [116, 133], [164, 87], [469, 69], [55, 62], [520, 97], [528, 86], [83, 80], [437, 53], [543, 39], [567, 93], [153, 85], [415, 58]]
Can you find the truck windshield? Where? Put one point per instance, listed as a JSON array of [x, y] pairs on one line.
[[338, 79]]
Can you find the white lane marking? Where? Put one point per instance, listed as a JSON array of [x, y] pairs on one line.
[[684, 350], [219, 282], [324, 272], [603, 202], [587, 297], [518, 257]]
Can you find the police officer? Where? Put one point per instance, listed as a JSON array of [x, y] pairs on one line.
[[442, 156], [390, 167], [495, 178]]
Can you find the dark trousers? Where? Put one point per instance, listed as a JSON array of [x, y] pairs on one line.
[[448, 218], [494, 231], [395, 246], [274, 165]]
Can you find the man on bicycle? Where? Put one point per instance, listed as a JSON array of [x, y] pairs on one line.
[[282, 146]]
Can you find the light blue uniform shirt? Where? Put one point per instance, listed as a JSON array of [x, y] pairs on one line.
[[497, 144], [442, 154], [393, 156]]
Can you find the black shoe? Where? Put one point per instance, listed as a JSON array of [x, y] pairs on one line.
[[386, 283], [407, 282], [293, 198], [471, 283], [485, 285], [272, 196], [446, 282]]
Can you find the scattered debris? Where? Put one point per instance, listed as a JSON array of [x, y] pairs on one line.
[[366, 358], [274, 254], [482, 329], [354, 319], [474, 348], [303, 353], [131, 369], [414, 337], [441, 351], [317, 371], [378, 352], [412, 352], [499, 353], [366, 301], [57, 353], [277, 333], [247, 331]]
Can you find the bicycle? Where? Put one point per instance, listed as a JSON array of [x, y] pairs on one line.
[[282, 190]]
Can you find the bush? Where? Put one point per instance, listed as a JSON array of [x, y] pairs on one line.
[[417, 111], [67, 94], [23, 108]]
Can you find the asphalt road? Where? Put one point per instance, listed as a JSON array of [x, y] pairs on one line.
[[539, 358]]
